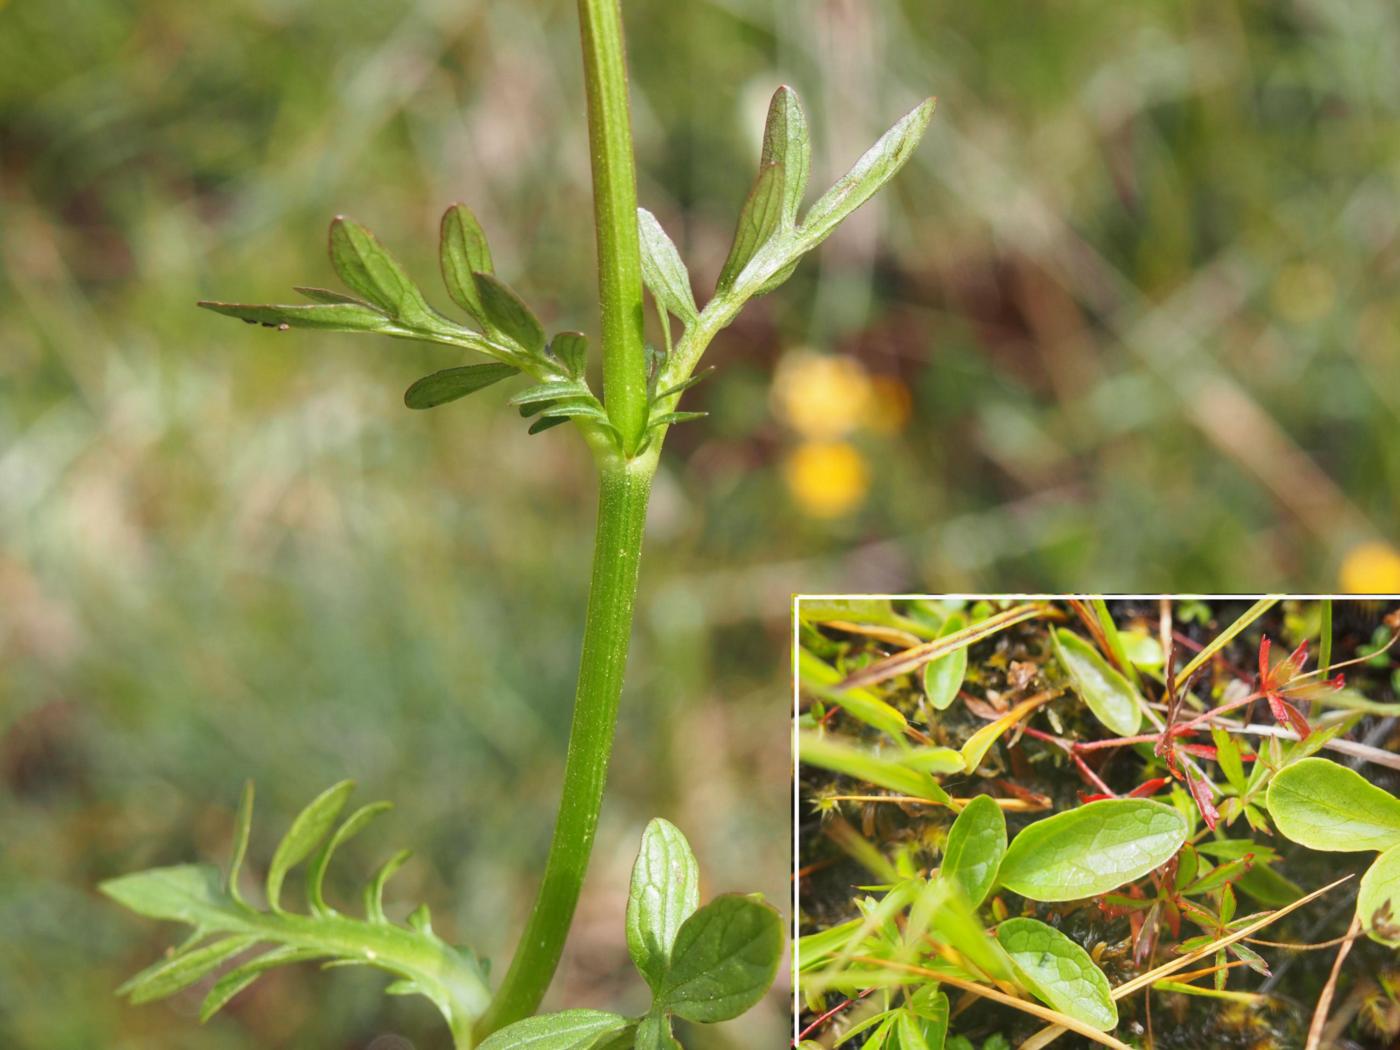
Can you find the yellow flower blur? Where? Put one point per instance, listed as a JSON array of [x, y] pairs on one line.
[[821, 395], [1371, 568], [827, 479]]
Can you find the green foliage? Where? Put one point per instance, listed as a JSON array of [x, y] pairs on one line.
[[224, 927], [705, 964], [944, 676], [1059, 972], [1326, 806], [1109, 695], [1091, 849], [975, 848], [854, 761]]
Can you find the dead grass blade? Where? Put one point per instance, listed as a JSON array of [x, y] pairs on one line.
[[916, 656], [1046, 1036], [1062, 1021], [1324, 1001]]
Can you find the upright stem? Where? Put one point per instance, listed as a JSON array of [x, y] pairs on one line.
[[615, 217], [622, 508], [625, 485]]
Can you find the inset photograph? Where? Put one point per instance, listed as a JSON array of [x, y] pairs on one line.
[[1143, 822]]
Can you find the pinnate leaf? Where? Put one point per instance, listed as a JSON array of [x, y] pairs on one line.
[[875, 168], [1092, 849], [665, 891], [1322, 805], [724, 959], [1378, 899], [976, 844], [366, 266], [1058, 972], [462, 254], [311, 825], [453, 383], [569, 1030], [1109, 695], [663, 271]]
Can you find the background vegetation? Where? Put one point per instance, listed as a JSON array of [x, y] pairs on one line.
[[1128, 320]]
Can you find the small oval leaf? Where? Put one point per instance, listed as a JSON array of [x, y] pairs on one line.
[[944, 677], [1378, 899], [569, 1030], [192, 893], [786, 143], [665, 891], [663, 271], [1114, 702], [311, 825], [453, 383], [1092, 849], [463, 253], [976, 844], [1058, 972], [571, 349], [724, 960], [1322, 805], [759, 219]]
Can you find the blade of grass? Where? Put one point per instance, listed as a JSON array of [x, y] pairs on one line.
[[1026, 1006], [913, 658], [1046, 1036], [1224, 638]]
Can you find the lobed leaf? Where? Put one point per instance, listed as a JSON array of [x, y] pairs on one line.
[[1322, 805], [1058, 972], [787, 145], [462, 254], [311, 825], [1378, 899], [366, 266], [759, 219], [316, 870], [569, 1030], [876, 167], [665, 891], [976, 844], [944, 676], [1109, 695], [663, 272], [724, 959], [243, 827], [1092, 849], [505, 313], [453, 383]]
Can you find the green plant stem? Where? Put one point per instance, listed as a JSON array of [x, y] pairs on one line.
[[622, 507], [615, 218]]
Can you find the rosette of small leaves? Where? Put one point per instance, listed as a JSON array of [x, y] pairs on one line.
[[770, 239], [228, 930], [703, 964], [388, 302]]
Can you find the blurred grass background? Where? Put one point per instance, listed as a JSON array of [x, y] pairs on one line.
[[1129, 320]]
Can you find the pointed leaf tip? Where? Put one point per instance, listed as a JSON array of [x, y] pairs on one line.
[[311, 825]]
